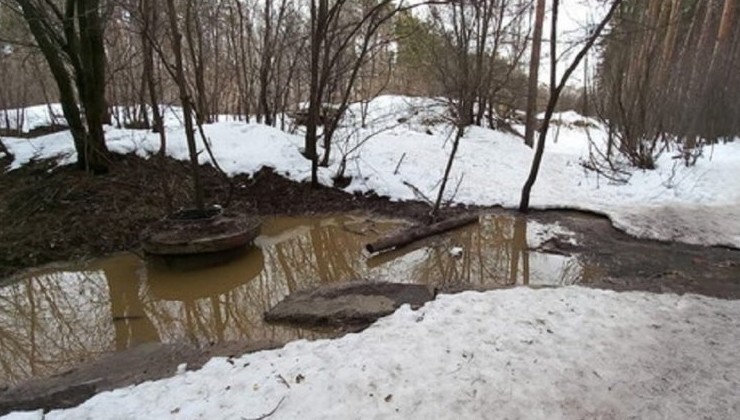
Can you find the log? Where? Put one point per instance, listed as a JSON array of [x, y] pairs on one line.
[[378, 260], [416, 233]]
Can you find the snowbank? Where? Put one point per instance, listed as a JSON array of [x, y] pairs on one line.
[[406, 142], [520, 353], [31, 117]]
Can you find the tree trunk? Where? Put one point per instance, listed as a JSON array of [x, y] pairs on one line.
[[186, 106], [318, 21], [554, 96], [195, 47], [89, 79], [265, 67], [723, 34], [669, 43], [92, 60], [534, 67], [714, 91], [149, 18], [448, 169]]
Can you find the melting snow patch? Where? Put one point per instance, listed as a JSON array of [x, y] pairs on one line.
[[519, 353]]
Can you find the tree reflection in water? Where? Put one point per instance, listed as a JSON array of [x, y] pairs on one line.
[[131, 324], [496, 253], [51, 320]]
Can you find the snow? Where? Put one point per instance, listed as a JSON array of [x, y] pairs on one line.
[[42, 115], [519, 353], [562, 353], [31, 117], [407, 142], [456, 251], [570, 118], [539, 233]]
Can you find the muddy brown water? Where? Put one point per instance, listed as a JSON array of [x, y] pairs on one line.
[[54, 318]]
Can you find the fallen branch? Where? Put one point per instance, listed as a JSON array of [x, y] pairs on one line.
[[420, 232]]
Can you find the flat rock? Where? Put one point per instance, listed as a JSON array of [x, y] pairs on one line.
[[347, 304]]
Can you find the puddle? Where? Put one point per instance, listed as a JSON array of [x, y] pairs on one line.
[[55, 318]]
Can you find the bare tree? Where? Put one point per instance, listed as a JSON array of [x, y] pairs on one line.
[[71, 40], [465, 57], [341, 38], [555, 91], [185, 101], [149, 21], [534, 67]]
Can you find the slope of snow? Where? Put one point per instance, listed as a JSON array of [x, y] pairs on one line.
[[520, 353], [493, 166], [404, 148]]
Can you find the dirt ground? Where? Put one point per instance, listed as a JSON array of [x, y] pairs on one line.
[[62, 214], [628, 263], [59, 214]]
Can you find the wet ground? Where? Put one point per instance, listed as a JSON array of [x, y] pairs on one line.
[[62, 214], [78, 320], [54, 318], [627, 263]]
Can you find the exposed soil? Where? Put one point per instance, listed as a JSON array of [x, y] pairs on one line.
[[62, 214], [59, 214], [628, 263]]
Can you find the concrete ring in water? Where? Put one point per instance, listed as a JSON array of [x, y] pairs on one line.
[[191, 236]]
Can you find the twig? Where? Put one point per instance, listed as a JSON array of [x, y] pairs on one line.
[[284, 381], [602, 164], [264, 416], [207, 143], [418, 192], [454, 193], [346, 152], [395, 171]]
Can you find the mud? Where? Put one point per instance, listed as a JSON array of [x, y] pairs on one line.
[[60, 214], [55, 317], [627, 263]]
